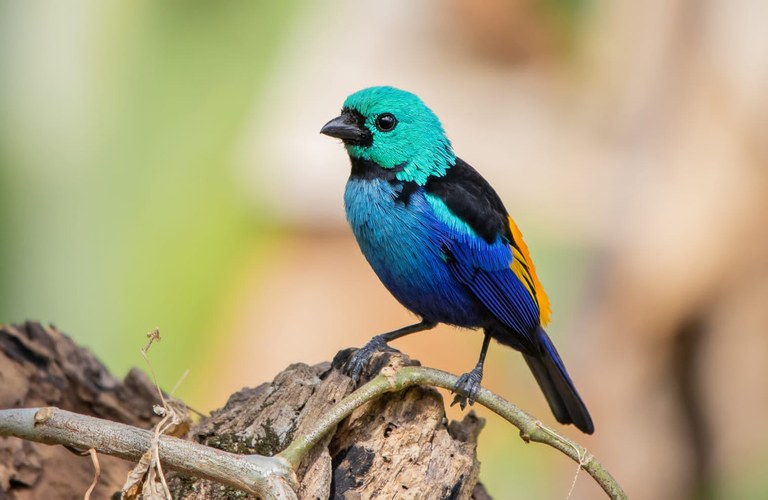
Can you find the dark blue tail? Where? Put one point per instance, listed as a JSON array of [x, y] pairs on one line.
[[557, 386]]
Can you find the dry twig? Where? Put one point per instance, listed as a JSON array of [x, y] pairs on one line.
[[96, 473]]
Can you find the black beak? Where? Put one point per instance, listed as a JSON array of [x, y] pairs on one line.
[[347, 127]]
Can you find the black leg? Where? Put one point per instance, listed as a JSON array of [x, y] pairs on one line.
[[468, 384], [360, 358]]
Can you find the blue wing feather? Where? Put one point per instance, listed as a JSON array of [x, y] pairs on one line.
[[497, 287], [485, 269]]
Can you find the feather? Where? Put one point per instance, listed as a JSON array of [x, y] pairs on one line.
[[523, 267], [487, 251], [549, 371]]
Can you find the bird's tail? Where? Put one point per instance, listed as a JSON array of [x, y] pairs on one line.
[[557, 386]]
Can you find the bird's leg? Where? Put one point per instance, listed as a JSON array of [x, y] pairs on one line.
[[358, 360], [468, 384]]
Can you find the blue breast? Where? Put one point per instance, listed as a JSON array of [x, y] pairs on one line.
[[402, 242]]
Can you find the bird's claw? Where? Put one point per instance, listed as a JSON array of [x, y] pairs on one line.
[[466, 388], [357, 362], [359, 359]]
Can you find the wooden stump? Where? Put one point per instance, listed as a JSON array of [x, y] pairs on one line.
[[398, 446]]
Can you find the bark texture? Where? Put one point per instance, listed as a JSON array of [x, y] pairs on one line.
[[40, 366], [399, 446]]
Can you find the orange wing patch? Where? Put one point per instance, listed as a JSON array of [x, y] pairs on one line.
[[522, 266]]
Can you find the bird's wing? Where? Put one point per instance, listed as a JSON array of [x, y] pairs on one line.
[[485, 250]]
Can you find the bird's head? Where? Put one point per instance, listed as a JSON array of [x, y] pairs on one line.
[[394, 129]]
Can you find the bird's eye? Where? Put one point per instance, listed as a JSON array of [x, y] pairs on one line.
[[386, 122]]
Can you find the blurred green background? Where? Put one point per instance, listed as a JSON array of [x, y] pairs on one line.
[[120, 210], [160, 166]]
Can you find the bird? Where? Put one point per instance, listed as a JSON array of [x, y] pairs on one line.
[[440, 239]]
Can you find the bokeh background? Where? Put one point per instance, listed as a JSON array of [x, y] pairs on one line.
[[160, 165]]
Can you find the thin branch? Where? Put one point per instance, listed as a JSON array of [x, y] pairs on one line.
[[531, 429], [267, 477], [272, 477]]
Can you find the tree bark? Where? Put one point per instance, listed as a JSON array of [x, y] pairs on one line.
[[398, 445], [40, 366]]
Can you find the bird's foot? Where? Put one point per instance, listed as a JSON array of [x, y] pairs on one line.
[[359, 360], [466, 387]]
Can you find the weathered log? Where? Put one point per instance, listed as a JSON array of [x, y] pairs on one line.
[[400, 445]]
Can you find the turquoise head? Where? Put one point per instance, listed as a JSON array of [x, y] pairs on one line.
[[394, 129]]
